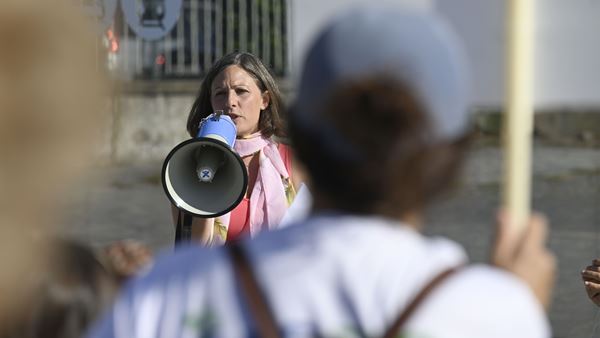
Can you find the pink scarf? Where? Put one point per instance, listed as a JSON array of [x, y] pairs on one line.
[[268, 201]]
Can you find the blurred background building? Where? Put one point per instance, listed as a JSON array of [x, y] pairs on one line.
[[158, 51]]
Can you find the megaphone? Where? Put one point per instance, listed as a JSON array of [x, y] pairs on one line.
[[204, 176]]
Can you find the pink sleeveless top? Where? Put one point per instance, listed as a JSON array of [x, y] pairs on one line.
[[239, 223]]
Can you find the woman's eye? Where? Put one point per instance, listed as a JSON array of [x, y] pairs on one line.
[[241, 91]]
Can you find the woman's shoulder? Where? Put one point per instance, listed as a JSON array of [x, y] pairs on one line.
[[480, 300], [480, 279], [285, 151]]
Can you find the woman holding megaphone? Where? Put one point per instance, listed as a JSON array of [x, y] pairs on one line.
[[241, 87]]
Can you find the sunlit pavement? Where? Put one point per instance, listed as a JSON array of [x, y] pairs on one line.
[[127, 201]]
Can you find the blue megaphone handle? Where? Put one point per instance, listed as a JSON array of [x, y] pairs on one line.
[[219, 127]]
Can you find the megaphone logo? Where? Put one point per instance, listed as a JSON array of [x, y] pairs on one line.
[[204, 176]]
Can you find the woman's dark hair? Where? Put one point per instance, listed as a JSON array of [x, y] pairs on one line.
[[401, 169], [67, 295], [269, 123]]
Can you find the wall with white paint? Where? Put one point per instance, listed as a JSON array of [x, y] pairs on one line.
[[567, 44]]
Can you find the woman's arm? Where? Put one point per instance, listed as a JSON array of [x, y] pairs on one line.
[[202, 228]]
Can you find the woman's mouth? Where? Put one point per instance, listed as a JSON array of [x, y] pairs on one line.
[[233, 116]]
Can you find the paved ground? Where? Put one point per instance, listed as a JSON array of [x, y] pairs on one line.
[[127, 202]]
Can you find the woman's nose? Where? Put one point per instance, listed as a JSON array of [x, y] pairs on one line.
[[231, 100]]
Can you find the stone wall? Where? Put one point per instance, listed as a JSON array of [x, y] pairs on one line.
[[146, 120]]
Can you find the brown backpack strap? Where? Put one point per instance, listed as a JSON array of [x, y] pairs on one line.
[[396, 328], [255, 298]]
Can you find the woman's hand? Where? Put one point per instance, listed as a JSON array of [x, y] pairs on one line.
[[126, 258], [524, 253], [591, 280], [202, 228]]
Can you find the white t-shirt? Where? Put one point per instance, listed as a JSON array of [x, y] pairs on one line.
[[331, 276]]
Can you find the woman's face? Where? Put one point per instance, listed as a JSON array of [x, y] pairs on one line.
[[236, 93]]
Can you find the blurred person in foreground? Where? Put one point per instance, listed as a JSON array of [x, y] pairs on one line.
[[380, 123], [51, 91], [67, 295]]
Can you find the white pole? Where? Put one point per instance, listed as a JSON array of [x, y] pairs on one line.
[[518, 121]]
